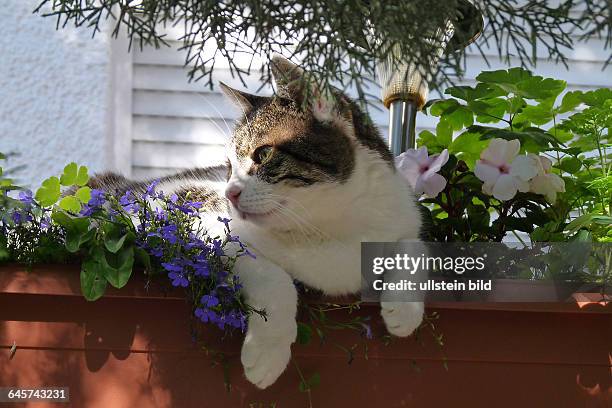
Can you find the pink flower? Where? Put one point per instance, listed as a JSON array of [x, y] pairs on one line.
[[545, 182], [502, 171], [421, 170]]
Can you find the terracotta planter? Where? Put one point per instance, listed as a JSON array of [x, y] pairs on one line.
[[133, 349]]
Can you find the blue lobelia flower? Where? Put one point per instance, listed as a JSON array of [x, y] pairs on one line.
[[150, 192], [172, 267], [225, 222], [26, 197], [160, 215], [45, 222], [209, 300], [201, 269], [178, 279], [128, 203], [168, 233], [207, 315], [98, 197], [217, 247], [17, 217]]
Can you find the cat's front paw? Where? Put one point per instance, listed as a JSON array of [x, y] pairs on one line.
[[264, 360], [402, 318]]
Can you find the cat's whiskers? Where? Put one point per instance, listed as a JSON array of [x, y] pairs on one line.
[[289, 229], [307, 229], [227, 135], [306, 223], [285, 214]]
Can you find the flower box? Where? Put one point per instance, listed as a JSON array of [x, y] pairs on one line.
[[133, 348]]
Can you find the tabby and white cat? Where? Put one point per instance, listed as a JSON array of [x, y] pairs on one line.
[[304, 188]]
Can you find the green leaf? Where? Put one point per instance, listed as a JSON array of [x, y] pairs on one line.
[[505, 79], [583, 236], [116, 268], [115, 237], [467, 142], [82, 177], [74, 175], [584, 221], [441, 106], [478, 217], [515, 104], [602, 220], [77, 230], [444, 133], [570, 165], [71, 204], [114, 244], [304, 333], [532, 139], [540, 234], [49, 192], [570, 101], [434, 145], [597, 97], [93, 283], [453, 116], [460, 118], [83, 194], [490, 110], [68, 178], [481, 91], [537, 114], [520, 81], [539, 88]]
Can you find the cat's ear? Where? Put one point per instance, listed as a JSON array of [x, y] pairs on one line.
[[244, 100], [293, 82]]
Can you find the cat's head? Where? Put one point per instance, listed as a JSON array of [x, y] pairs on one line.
[[294, 156]]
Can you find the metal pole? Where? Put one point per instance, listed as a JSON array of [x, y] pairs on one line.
[[402, 126]]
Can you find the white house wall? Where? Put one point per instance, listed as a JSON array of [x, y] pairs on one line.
[[54, 93]]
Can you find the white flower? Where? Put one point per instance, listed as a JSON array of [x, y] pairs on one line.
[[421, 170], [502, 171], [545, 182]]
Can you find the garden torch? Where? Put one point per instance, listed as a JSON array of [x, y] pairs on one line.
[[404, 85]]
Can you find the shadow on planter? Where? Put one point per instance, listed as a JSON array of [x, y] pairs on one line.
[[134, 349]]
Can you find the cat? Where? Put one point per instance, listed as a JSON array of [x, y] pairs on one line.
[[308, 178]]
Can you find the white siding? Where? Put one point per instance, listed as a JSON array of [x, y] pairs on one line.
[[177, 123], [55, 94]]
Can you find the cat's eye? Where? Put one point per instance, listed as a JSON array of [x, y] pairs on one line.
[[262, 153]]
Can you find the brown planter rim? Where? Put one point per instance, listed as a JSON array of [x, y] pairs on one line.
[[63, 280]]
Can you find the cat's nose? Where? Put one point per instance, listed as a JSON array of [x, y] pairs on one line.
[[233, 193]]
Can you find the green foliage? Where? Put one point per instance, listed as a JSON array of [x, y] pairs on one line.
[[106, 248], [515, 104], [93, 281], [74, 175], [348, 56], [70, 204], [49, 192]]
